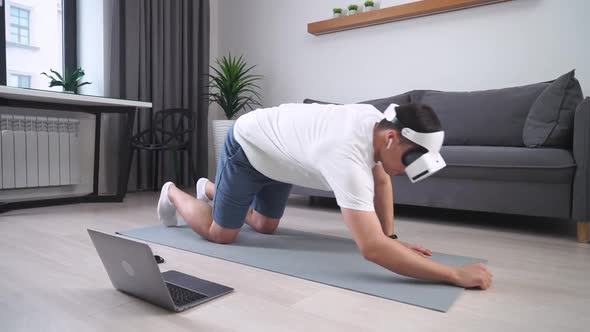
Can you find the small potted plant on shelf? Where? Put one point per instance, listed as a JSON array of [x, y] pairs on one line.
[[337, 12], [352, 9], [69, 83], [369, 5]]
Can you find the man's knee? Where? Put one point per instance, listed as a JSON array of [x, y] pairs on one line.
[[263, 224], [267, 227], [222, 235]]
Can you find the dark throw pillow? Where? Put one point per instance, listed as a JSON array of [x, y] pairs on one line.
[[550, 120]]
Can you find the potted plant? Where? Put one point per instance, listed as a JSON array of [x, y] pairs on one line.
[[352, 9], [369, 5], [337, 12], [234, 89], [69, 82]]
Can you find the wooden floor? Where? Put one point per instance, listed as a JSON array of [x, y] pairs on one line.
[[51, 278]]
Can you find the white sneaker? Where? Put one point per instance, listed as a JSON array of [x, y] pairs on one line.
[[201, 194], [166, 210]]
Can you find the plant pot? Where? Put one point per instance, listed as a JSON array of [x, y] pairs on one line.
[[351, 12], [220, 128], [368, 9], [337, 14]]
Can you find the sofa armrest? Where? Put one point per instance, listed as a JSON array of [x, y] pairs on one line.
[[581, 187]]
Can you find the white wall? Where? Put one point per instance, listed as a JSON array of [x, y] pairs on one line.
[[500, 45]]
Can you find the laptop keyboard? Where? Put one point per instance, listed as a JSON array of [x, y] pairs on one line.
[[182, 296]]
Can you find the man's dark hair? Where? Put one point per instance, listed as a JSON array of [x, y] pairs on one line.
[[418, 117]]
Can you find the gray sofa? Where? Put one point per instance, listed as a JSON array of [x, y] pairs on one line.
[[521, 150]]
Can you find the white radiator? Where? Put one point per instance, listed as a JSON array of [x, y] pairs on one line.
[[38, 151]]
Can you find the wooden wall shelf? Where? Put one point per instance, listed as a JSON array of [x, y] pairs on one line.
[[392, 14]]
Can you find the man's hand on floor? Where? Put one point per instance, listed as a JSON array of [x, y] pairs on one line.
[[473, 276], [418, 249]]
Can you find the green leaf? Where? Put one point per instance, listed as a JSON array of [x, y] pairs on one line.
[[77, 75], [81, 84], [49, 76], [231, 85], [57, 74]]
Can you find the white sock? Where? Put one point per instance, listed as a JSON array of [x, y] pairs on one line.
[[201, 193], [166, 211]]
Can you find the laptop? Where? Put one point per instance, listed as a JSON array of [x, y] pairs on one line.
[[133, 270]]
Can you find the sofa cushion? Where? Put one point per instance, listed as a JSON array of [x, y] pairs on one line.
[[381, 104], [489, 118], [508, 164], [550, 120], [313, 101]]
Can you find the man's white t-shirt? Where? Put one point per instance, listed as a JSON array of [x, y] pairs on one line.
[[327, 147]]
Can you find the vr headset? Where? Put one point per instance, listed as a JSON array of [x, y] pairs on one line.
[[425, 160]]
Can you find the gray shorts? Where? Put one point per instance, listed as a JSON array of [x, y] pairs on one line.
[[238, 186]]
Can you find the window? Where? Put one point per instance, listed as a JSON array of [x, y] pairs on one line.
[[34, 42], [19, 81], [19, 25], [39, 35]]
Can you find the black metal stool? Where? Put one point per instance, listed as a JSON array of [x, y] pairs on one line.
[[171, 130]]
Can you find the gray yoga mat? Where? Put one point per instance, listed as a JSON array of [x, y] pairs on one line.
[[322, 258]]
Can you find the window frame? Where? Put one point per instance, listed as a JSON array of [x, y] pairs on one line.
[[3, 76], [20, 27], [19, 76]]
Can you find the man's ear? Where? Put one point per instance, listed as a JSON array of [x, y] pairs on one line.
[[395, 135], [390, 138]]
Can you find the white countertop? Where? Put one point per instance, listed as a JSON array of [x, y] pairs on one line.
[[66, 98]]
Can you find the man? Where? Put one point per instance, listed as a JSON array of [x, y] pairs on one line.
[[352, 150]]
